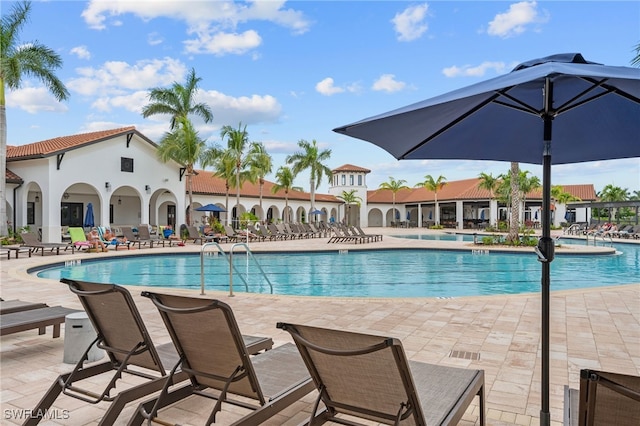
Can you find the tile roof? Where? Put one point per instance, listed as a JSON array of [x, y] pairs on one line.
[[466, 189], [61, 144], [11, 177], [351, 168], [205, 182]]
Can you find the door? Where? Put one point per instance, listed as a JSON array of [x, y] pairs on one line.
[[171, 216]]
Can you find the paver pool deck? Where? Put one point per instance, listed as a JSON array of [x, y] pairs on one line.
[[590, 328]]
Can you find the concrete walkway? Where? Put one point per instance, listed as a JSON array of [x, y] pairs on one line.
[[594, 328]]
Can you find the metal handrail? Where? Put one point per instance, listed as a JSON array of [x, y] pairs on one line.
[[250, 254], [229, 259]]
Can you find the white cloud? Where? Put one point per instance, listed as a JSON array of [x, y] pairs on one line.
[[118, 78], [223, 43], [388, 83], [410, 23], [246, 109], [477, 71], [326, 87], [81, 52], [516, 19], [213, 22], [34, 100], [154, 39]]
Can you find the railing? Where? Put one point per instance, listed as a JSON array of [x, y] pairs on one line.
[[232, 267], [603, 237]]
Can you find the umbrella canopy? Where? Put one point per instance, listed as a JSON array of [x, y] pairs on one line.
[[316, 211], [555, 110], [88, 217], [482, 214], [210, 208]]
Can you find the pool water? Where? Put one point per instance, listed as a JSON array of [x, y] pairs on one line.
[[378, 273]]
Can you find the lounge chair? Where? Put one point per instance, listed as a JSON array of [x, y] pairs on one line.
[[375, 237], [12, 306], [276, 233], [79, 239], [30, 240], [195, 237], [127, 232], [39, 318], [231, 234], [603, 399], [122, 334], [214, 357], [144, 236], [369, 377], [114, 243]]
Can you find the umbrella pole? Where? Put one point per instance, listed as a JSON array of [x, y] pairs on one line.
[[545, 252]]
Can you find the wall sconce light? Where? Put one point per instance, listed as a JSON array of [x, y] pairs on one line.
[[37, 198], [107, 185], [119, 201], [147, 188], [65, 195]]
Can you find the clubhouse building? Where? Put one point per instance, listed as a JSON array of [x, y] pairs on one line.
[[49, 185]]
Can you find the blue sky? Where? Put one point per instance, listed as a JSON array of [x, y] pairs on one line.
[[296, 70]]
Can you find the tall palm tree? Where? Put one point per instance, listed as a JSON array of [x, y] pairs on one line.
[[284, 181], [177, 101], [490, 183], [224, 167], [311, 158], [434, 185], [514, 183], [527, 184], [183, 145], [238, 147], [260, 165], [394, 186], [17, 60], [349, 198]]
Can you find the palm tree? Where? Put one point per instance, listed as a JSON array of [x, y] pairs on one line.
[[312, 158], [177, 101], [434, 185], [490, 183], [184, 146], [636, 61], [260, 164], [350, 197], [17, 60], [284, 181], [224, 167], [394, 186], [514, 183], [238, 147], [612, 193], [527, 184]]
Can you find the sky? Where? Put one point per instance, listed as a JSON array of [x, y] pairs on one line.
[[292, 70]]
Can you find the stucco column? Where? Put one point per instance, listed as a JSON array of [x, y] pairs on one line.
[[493, 212], [51, 230], [459, 215]]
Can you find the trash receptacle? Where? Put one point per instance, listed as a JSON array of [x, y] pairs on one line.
[[78, 334]]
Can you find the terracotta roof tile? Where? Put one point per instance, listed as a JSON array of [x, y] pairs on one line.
[[63, 143], [466, 189], [205, 182], [351, 168], [11, 177]]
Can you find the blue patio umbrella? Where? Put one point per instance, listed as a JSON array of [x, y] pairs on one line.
[[430, 214], [536, 215], [397, 215], [408, 215], [316, 211], [88, 217], [482, 214], [555, 110], [210, 208]]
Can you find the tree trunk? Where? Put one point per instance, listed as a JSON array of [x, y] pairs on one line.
[[514, 221], [4, 220]]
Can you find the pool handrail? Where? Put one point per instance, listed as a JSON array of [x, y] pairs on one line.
[[229, 259]]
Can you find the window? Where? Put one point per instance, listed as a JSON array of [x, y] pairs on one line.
[[31, 213], [71, 214], [351, 180], [126, 164], [359, 180], [344, 180]]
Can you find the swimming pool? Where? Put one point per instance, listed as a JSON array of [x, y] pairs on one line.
[[371, 273]]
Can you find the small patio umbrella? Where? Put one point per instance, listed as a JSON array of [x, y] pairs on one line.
[[88, 217], [316, 211], [210, 208], [482, 214], [562, 105]]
